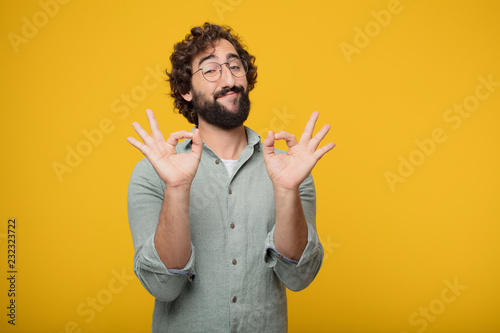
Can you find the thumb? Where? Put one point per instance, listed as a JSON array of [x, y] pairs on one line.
[[268, 145], [197, 145]]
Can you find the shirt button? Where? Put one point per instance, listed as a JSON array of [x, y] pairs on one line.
[[234, 299], [230, 191], [217, 161], [232, 225], [234, 262], [190, 274]]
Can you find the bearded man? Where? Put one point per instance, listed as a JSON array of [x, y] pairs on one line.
[[222, 223]]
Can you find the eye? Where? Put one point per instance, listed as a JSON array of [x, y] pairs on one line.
[[211, 69], [236, 67]]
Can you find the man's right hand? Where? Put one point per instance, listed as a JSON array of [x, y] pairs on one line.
[[176, 170]]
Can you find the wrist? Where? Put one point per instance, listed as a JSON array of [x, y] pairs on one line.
[[178, 188], [285, 190]]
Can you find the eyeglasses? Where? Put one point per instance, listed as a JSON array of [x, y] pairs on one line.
[[212, 71]]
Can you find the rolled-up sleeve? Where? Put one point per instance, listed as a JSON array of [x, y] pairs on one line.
[[297, 275], [144, 202]]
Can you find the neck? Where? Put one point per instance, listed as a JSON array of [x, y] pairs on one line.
[[227, 144]]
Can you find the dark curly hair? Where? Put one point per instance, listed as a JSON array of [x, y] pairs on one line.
[[197, 41]]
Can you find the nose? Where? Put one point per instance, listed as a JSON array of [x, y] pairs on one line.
[[226, 77]]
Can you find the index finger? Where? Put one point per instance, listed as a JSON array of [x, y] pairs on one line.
[[288, 137], [174, 137]]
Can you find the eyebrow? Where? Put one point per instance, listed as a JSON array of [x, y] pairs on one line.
[[210, 56]]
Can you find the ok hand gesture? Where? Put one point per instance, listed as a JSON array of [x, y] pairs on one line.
[[288, 171], [174, 169]]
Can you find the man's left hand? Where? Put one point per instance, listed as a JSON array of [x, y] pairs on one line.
[[288, 171]]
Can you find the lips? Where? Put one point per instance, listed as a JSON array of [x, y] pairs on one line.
[[228, 92]]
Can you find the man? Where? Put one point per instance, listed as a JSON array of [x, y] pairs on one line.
[[221, 222]]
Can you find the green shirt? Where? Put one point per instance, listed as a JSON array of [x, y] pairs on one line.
[[235, 280]]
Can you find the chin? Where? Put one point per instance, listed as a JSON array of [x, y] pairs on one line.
[[232, 107]]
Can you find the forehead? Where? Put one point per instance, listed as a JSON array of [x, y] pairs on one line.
[[222, 50]]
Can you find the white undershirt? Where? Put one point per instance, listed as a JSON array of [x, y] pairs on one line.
[[230, 164]]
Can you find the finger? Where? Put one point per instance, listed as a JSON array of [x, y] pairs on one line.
[[268, 145], [148, 140], [197, 146], [155, 129], [290, 139], [174, 137], [309, 129], [139, 145], [315, 141], [323, 150]]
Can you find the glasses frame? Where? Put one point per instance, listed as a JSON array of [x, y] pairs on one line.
[[245, 67]]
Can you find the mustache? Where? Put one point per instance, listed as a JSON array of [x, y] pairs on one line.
[[236, 89]]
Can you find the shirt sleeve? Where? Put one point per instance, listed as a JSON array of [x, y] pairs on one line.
[[144, 202], [297, 275]]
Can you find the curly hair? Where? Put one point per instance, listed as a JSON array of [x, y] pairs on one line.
[[185, 51]]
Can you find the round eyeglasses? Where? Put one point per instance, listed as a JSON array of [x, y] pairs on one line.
[[212, 71]]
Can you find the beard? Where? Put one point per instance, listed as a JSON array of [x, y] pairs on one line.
[[217, 114]]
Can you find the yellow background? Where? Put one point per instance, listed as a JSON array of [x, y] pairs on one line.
[[388, 251]]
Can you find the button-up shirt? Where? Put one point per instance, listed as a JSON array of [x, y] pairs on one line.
[[235, 279]]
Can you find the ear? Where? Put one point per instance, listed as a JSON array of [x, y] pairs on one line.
[[188, 97]]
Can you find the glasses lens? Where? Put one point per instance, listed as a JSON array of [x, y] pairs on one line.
[[211, 71], [238, 68]]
